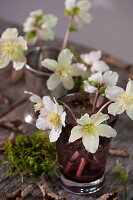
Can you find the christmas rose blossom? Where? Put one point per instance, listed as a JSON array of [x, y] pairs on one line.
[[12, 49], [63, 69], [89, 129], [123, 99]]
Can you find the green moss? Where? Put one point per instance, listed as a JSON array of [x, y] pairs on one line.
[[33, 155]]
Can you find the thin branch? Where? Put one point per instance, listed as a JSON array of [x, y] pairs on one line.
[[74, 117], [104, 106]]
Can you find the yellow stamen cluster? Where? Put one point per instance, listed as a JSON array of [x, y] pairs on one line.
[[89, 129], [38, 106], [9, 48], [53, 119], [63, 70], [125, 101]]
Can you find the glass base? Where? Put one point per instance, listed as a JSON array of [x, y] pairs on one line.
[[81, 188]]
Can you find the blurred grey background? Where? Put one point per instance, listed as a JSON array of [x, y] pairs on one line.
[[111, 29]]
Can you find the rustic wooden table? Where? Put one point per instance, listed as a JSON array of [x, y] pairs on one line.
[[15, 110]]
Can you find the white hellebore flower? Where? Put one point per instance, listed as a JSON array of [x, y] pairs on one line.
[[109, 78], [12, 48], [39, 24], [79, 11], [51, 118], [123, 99], [63, 70], [39, 103], [92, 59], [89, 129]]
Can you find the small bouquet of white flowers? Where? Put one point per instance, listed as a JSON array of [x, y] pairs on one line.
[[84, 151]]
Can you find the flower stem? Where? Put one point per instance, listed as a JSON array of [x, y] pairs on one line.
[[74, 117], [67, 33], [40, 45], [104, 106], [95, 100]]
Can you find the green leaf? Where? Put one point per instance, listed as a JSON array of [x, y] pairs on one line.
[[93, 83], [122, 174], [73, 28], [68, 13], [102, 90], [75, 10], [31, 35], [39, 18]]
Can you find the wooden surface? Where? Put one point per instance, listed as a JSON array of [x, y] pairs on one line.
[[16, 109]]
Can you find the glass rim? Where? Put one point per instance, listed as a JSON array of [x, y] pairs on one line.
[[35, 71]]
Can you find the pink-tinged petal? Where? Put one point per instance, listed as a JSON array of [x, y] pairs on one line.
[[98, 118], [129, 88], [10, 33], [130, 112], [106, 131], [91, 143], [65, 58], [114, 93], [53, 81], [115, 108], [76, 133]]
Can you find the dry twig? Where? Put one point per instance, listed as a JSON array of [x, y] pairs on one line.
[[119, 152], [111, 195], [13, 125]]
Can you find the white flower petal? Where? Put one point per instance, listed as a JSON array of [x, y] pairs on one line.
[[4, 61], [130, 112], [90, 143], [85, 17], [36, 13], [18, 61], [77, 69], [110, 78], [54, 135], [76, 133], [41, 123], [114, 93], [35, 98], [68, 82], [28, 25], [97, 77], [65, 57], [91, 57], [21, 43], [70, 4], [46, 34], [84, 5], [99, 66], [63, 118], [106, 131], [49, 21], [48, 103], [53, 81], [89, 88], [10, 33], [50, 64], [98, 118], [84, 120], [129, 88], [115, 108]]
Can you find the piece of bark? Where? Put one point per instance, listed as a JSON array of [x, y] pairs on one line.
[[116, 62], [119, 152], [19, 194], [11, 138], [16, 75], [47, 193], [13, 125], [114, 195], [4, 99]]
